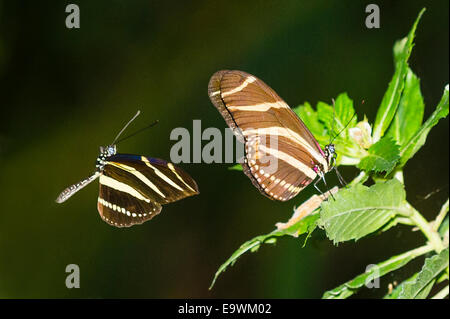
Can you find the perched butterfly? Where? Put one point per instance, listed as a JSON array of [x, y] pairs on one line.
[[259, 118], [133, 188]]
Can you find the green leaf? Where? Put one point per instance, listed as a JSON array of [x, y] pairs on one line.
[[423, 294], [420, 287], [409, 116], [337, 118], [382, 156], [305, 225], [418, 139], [442, 277], [328, 122], [237, 167], [361, 210], [311, 119], [326, 115], [344, 113], [396, 291], [388, 107], [349, 288], [391, 223]]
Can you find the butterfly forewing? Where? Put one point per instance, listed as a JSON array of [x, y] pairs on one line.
[[166, 181], [133, 188], [280, 151]]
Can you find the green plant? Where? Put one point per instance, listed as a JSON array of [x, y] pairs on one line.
[[380, 154]]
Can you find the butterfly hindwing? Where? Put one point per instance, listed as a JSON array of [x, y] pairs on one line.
[[121, 209], [270, 130]]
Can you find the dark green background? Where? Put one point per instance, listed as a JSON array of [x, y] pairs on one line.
[[66, 92]]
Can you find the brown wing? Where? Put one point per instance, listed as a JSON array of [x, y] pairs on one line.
[[280, 152], [121, 209], [133, 188]]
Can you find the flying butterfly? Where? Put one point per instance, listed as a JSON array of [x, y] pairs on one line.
[[133, 188], [268, 127]]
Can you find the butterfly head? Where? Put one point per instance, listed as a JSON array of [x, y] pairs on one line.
[[330, 155], [109, 150], [105, 152]]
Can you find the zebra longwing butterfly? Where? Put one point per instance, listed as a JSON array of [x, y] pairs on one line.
[[257, 115], [133, 188]]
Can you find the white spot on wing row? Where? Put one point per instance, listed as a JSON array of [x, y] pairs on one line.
[[119, 209]]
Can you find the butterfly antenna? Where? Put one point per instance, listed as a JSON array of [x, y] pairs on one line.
[[346, 125], [138, 131], [332, 123], [126, 125]]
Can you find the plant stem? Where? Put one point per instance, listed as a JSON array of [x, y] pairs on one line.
[[424, 226], [438, 221], [414, 253], [405, 221], [388, 266], [361, 177], [442, 294]]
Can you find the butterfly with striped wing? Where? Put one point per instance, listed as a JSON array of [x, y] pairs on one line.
[[133, 188], [257, 115]]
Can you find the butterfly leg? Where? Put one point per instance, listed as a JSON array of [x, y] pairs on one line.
[[322, 177], [340, 178], [315, 186], [326, 185]]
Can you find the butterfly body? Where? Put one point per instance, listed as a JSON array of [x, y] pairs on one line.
[[269, 128], [133, 188]]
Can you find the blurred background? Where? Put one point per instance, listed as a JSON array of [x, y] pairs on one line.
[[65, 92]]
